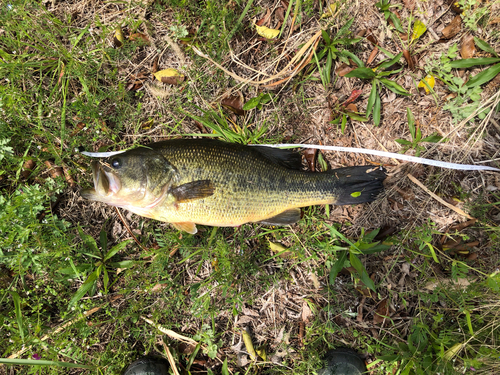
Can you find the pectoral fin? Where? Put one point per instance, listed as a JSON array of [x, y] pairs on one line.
[[186, 227], [193, 190], [285, 218]]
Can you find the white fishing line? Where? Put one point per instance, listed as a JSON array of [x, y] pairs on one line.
[[436, 163], [102, 154]]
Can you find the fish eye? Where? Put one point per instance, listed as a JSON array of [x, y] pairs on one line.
[[116, 163]]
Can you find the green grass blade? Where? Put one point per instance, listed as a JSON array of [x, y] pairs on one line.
[[362, 73], [337, 267], [116, 249], [377, 108], [83, 289], [468, 63], [483, 77], [484, 46], [19, 316]]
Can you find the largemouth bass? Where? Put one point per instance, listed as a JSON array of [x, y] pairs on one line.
[[200, 181]]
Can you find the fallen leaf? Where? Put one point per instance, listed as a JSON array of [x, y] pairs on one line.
[[28, 167], [383, 311], [468, 48], [281, 250], [54, 171], [455, 6], [310, 156], [430, 80], [419, 29], [154, 69], [453, 28], [352, 98], [409, 59], [234, 103], [266, 32], [170, 76], [264, 20], [118, 38], [140, 37], [372, 56], [344, 69], [306, 311], [280, 14]]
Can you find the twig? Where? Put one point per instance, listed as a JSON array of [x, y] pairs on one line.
[[128, 228], [450, 206], [170, 358], [170, 333]]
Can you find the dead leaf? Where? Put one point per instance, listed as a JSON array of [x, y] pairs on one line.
[[461, 226], [280, 14], [383, 311], [468, 48], [371, 37], [352, 98], [278, 248], [264, 20], [343, 69], [28, 167], [170, 76], [244, 319], [140, 37], [310, 156], [54, 171], [455, 6], [453, 28], [234, 103], [472, 256], [250, 312], [78, 127], [158, 287], [409, 59], [118, 38], [154, 69], [306, 312], [372, 56], [68, 177]]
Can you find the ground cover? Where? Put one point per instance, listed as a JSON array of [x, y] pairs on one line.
[[410, 281]]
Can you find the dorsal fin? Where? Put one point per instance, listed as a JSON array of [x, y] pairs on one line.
[[286, 158]]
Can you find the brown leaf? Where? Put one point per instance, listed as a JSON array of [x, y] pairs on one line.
[[371, 37], [468, 47], [352, 98], [310, 156], [453, 28], [383, 311], [234, 103], [28, 167], [455, 7], [155, 65], [54, 171], [140, 37], [170, 76], [409, 59], [68, 177], [461, 226], [343, 69], [410, 4], [264, 20], [280, 14], [306, 311], [352, 107], [361, 33], [372, 56], [472, 256]]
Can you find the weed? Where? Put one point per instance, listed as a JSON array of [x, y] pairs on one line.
[[377, 76], [416, 136]]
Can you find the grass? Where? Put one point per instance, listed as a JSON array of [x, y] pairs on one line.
[[402, 281]]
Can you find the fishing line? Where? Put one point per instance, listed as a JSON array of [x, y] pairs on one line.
[[436, 163], [415, 159]]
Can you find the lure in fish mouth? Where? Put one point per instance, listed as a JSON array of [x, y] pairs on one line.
[[198, 181]]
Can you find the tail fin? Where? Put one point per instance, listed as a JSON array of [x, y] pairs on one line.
[[359, 184]]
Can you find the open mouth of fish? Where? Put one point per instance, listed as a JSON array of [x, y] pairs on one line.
[[106, 185]]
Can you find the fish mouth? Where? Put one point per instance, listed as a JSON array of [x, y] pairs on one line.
[[106, 185]]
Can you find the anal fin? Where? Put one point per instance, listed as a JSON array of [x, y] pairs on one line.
[[186, 227], [287, 217]]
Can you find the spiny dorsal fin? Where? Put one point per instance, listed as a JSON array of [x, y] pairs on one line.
[[193, 190], [286, 158]]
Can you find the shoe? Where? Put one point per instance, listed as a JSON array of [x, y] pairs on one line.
[[343, 361], [148, 366]]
